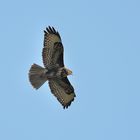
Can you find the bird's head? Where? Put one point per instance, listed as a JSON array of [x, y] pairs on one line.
[[65, 72], [69, 72]]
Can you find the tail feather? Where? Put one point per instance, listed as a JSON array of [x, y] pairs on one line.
[[37, 76]]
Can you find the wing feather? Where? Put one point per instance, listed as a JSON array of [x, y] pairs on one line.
[[53, 49], [63, 91]]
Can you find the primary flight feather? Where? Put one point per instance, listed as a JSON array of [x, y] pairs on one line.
[[55, 71]]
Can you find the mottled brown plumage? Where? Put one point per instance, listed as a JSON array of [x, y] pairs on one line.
[[54, 71]]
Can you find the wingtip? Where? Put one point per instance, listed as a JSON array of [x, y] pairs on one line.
[[51, 30], [45, 32], [68, 104]]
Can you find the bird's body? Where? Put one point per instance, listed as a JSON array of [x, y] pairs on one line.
[[54, 72]]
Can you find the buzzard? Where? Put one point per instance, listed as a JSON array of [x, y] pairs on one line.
[[55, 71]]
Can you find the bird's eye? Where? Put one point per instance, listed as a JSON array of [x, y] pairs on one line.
[[64, 71]]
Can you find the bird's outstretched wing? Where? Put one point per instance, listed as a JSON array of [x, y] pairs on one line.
[[53, 48], [63, 91]]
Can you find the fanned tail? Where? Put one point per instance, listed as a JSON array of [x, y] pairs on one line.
[[37, 76]]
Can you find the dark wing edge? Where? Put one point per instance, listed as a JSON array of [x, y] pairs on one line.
[[58, 54], [63, 91]]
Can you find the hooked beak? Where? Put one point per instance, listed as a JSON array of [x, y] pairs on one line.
[[69, 72]]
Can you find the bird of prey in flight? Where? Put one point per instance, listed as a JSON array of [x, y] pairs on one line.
[[54, 70]]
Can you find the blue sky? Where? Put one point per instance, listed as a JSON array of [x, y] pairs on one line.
[[102, 47]]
